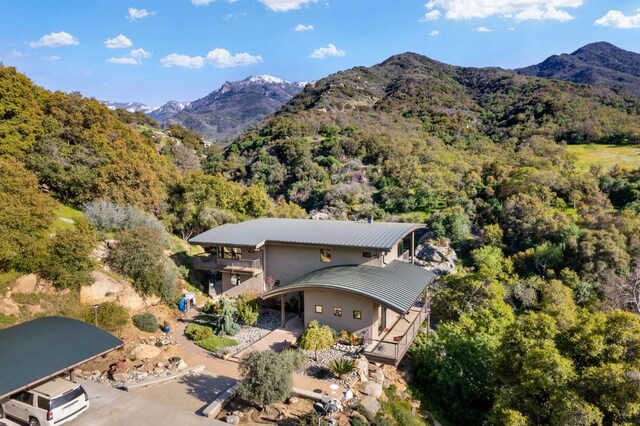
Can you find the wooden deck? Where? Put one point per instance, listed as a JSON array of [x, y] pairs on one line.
[[393, 345]]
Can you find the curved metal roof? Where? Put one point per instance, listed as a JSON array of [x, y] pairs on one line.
[[46, 347], [257, 232], [396, 286]]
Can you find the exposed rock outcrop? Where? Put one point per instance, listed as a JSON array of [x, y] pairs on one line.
[[436, 255]]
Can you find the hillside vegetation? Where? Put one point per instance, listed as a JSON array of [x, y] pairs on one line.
[[551, 251]]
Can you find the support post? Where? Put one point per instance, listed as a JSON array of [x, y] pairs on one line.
[[283, 316], [413, 248]]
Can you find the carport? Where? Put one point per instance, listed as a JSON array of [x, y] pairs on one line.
[[38, 350]]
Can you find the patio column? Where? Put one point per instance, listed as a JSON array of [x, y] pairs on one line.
[[413, 248], [283, 316]]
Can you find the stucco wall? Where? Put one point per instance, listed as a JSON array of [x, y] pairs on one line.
[[247, 282], [348, 303], [287, 262]]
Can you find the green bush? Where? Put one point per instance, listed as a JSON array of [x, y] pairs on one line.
[[211, 308], [197, 332], [146, 322], [248, 305], [6, 320], [342, 366], [267, 376], [111, 316], [316, 337], [225, 323], [215, 343]]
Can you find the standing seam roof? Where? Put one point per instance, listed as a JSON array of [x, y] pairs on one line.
[[397, 286], [254, 233], [35, 350]]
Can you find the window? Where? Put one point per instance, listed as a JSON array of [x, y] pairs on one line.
[[235, 279], [325, 255], [337, 312], [26, 398], [357, 314], [318, 309], [43, 403], [367, 254]]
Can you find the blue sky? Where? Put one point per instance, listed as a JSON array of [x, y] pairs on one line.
[[156, 50]]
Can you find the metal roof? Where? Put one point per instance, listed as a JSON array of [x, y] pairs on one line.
[[255, 233], [396, 286], [46, 347]]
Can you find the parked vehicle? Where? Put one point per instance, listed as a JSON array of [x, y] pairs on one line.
[[52, 403]]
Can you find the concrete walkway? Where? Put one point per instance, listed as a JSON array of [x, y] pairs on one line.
[[227, 370]]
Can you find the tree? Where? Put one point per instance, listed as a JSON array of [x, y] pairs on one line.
[[69, 264], [225, 323], [316, 337], [25, 217], [267, 376]]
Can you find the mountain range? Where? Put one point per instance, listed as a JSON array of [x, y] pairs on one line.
[[226, 112], [600, 64]]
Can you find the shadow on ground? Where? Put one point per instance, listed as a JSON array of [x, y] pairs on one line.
[[205, 387]]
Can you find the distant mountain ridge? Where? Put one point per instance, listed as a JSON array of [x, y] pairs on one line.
[[600, 64], [226, 112]]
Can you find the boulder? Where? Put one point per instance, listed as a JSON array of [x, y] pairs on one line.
[[181, 365], [145, 351], [120, 377], [371, 404], [436, 255], [377, 376], [25, 284], [372, 389], [293, 400], [232, 419]]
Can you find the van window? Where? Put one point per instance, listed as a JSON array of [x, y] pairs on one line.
[[43, 403], [25, 397], [67, 397]]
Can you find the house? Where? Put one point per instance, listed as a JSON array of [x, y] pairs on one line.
[[357, 276]]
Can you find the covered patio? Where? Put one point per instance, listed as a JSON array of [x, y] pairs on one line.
[[385, 306]]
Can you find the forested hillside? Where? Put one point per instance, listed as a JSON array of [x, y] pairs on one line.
[[532, 329], [118, 168]]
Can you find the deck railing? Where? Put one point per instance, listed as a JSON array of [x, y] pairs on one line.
[[405, 256], [393, 351], [215, 264]]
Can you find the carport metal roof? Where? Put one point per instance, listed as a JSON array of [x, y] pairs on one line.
[[396, 286], [36, 350]]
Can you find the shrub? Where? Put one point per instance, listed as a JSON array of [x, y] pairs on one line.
[[111, 316], [146, 322], [197, 332], [342, 366], [106, 216], [316, 337], [139, 254], [267, 376], [211, 308], [248, 305], [225, 323], [215, 343]]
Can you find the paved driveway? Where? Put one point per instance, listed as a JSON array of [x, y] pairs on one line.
[[111, 406]]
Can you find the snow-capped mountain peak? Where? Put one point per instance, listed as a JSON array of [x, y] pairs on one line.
[[266, 79]]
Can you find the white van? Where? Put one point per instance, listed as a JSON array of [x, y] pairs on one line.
[[53, 403]]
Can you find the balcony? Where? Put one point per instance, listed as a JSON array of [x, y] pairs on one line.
[[396, 342], [405, 256], [236, 266]]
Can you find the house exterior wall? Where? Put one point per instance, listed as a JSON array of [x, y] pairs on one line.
[[329, 300], [288, 262], [247, 282]]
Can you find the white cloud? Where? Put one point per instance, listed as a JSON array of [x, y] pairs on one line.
[[285, 5], [15, 54], [125, 60], [51, 58], [434, 33], [119, 42], [325, 52], [184, 61], [56, 40], [434, 15], [482, 30], [140, 53], [202, 2], [518, 9], [617, 19], [222, 58], [135, 14], [302, 27], [511, 28]]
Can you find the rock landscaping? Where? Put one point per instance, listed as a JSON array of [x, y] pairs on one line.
[[268, 320]]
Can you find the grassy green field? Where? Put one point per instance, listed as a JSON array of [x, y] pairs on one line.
[[627, 156], [68, 213]]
